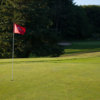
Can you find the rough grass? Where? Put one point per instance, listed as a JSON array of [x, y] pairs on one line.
[[74, 77]]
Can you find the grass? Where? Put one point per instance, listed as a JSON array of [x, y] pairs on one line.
[[74, 77], [82, 47]]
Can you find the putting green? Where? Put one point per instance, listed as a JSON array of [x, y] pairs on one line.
[[65, 78]]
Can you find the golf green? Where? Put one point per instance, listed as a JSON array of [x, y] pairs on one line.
[[64, 78]]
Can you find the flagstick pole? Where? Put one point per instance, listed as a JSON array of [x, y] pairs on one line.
[[13, 57], [13, 48]]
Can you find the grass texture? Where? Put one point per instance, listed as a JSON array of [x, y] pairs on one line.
[[74, 77]]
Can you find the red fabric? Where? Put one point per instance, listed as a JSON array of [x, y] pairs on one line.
[[19, 29]]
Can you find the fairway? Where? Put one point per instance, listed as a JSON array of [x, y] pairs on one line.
[[62, 78]]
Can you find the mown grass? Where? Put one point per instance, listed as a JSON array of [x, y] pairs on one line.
[[73, 77], [82, 47]]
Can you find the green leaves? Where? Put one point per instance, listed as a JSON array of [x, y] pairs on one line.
[[93, 14], [47, 22]]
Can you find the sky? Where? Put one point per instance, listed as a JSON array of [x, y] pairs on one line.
[[87, 2]]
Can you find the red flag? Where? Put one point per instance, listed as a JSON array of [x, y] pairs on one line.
[[19, 29]]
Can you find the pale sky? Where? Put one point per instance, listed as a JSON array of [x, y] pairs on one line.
[[87, 2]]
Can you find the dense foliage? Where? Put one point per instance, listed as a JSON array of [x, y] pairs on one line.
[[47, 22], [93, 14]]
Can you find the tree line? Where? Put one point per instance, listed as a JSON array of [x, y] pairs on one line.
[[47, 22]]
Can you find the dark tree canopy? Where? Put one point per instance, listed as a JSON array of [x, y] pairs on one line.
[[47, 22], [93, 14]]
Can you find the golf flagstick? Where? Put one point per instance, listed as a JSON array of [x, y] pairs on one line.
[[17, 29], [13, 57]]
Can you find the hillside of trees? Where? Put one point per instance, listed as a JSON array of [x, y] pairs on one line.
[[47, 22]]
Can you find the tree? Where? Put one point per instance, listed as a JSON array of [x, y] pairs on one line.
[[11, 12], [61, 14], [41, 37], [93, 13], [82, 26], [35, 16]]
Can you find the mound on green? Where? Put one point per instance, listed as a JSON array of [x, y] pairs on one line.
[[63, 78]]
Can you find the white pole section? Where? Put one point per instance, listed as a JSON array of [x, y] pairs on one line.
[[13, 57]]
